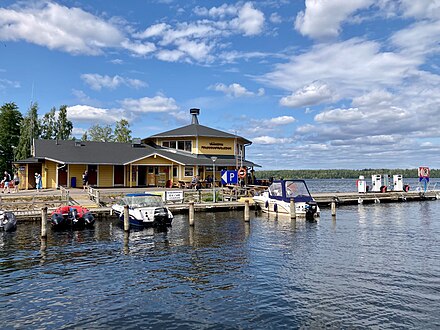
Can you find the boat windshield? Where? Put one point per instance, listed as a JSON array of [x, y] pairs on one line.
[[296, 189], [142, 201]]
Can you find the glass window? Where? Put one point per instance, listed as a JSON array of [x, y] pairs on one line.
[[166, 144], [175, 172], [173, 144], [188, 146], [181, 145], [189, 171], [275, 189]]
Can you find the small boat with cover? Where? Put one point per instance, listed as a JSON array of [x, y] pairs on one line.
[[71, 216], [145, 210], [8, 221], [276, 199]]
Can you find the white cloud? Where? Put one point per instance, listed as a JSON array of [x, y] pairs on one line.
[[249, 20], [150, 104], [58, 27], [98, 82], [153, 31], [271, 140], [324, 18], [275, 18], [139, 48], [315, 93], [282, 120], [235, 90], [91, 114], [6, 83], [421, 8]]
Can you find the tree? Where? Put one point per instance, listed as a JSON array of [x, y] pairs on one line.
[[30, 129], [49, 125], [85, 137], [65, 126], [101, 133], [10, 122], [122, 131]]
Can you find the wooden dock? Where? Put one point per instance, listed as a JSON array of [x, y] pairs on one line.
[[32, 211]]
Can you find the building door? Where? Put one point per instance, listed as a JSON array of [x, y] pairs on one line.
[[151, 178], [142, 176], [92, 172], [118, 176], [32, 169], [62, 176]]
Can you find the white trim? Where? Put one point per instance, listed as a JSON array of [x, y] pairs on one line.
[[153, 154]]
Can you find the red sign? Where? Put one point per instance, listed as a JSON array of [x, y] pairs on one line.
[[423, 172]]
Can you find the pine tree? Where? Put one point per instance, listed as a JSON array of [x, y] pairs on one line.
[[10, 122]]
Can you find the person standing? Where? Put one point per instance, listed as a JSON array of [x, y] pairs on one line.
[[38, 182], [85, 179], [16, 180], [5, 181]]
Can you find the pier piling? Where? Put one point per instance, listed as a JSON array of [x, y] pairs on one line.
[[44, 222], [333, 207], [292, 209], [191, 213], [246, 210], [126, 218]]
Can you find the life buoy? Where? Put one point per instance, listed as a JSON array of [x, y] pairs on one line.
[[242, 173]]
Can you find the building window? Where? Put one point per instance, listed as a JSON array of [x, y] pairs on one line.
[[189, 171], [180, 145], [175, 172]]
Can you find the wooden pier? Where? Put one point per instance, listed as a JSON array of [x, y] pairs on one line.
[[29, 207]]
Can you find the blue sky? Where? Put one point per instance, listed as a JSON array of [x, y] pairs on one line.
[[313, 83]]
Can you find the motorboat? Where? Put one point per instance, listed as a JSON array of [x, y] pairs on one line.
[[72, 216], [276, 199], [8, 221], [144, 210]]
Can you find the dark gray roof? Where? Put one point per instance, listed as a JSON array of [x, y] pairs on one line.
[[196, 130], [114, 153]]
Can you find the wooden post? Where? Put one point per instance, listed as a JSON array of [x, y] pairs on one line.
[[97, 197], [44, 222], [126, 242], [246, 210], [191, 213], [126, 218], [333, 205], [292, 208]]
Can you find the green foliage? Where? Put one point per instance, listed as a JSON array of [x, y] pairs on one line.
[[49, 125], [122, 131], [65, 126], [338, 173], [30, 129], [10, 122], [101, 133]]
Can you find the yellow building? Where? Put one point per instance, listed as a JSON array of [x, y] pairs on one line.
[[171, 158]]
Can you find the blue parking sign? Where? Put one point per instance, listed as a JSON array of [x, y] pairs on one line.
[[229, 177]]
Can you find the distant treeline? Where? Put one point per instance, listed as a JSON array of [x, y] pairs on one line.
[[339, 173]]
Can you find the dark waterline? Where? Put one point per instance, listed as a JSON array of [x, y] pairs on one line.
[[376, 266]]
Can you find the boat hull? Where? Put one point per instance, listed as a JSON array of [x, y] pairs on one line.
[[308, 210], [8, 221], [76, 217]]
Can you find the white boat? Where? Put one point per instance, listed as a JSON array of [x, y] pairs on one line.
[[144, 210], [276, 199]]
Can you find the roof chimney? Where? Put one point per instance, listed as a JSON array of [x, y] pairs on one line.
[[194, 112]]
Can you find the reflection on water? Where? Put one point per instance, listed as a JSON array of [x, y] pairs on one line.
[[373, 265]]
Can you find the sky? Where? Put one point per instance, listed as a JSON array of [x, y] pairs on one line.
[[314, 84]]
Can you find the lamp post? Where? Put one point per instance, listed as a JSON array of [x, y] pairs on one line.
[[213, 158]]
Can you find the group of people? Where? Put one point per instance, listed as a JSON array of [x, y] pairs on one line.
[[196, 184], [7, 182]]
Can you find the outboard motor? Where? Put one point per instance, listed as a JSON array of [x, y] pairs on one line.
[[73, 215], [8, 221], [161, 217], [311, 209], [89, 219]]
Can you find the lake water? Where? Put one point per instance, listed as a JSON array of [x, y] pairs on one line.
[[375, 266]]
